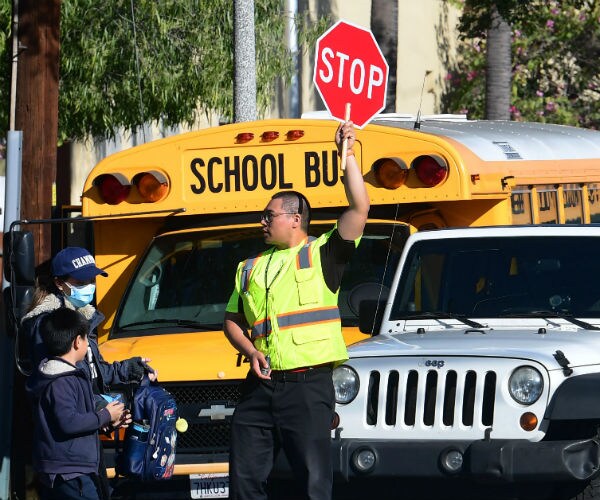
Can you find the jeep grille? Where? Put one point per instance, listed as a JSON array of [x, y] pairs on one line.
[[462, 398], [438, 397]]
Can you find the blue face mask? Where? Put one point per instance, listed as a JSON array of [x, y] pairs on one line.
[[81, 295]]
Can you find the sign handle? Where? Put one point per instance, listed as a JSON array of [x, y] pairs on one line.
[[345, 143]]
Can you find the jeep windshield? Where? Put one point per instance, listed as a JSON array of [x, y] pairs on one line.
[[185, 279], [536, 276]]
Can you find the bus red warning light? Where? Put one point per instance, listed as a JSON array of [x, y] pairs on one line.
[[430, 170]]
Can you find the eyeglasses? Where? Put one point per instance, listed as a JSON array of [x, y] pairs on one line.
[[268, 215]]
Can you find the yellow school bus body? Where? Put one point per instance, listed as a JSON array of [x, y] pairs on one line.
[[217, 181]]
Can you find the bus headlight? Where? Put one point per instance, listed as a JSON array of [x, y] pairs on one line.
[[345, 383], [526, 385]]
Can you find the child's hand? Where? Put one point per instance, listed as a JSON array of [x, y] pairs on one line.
[[116, 410], [124, 421]]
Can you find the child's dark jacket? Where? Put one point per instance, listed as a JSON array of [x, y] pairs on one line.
[[66, 423]]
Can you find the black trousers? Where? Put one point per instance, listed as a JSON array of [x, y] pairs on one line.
[[291, 413]]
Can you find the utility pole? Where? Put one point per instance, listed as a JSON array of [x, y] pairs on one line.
[[37, 112], [36, 116]]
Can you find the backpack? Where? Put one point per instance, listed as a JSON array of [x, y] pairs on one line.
[[150, 440]]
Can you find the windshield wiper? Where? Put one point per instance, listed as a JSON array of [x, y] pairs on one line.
[[552, 314], [176, 322], [444, 315]]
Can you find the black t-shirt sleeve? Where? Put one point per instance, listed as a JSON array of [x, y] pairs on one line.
[[335, 255]]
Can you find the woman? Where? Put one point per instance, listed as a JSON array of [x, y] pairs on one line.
[[73, 285]]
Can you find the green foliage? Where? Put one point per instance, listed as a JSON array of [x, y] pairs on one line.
[[555, 75], [172, 64]]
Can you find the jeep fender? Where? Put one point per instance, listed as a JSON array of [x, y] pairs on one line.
[[577, 398]]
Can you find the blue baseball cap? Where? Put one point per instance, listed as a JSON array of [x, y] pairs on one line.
[[77, 263]]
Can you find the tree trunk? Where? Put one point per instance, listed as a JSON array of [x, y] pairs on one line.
[[384, 25], [499, 69]]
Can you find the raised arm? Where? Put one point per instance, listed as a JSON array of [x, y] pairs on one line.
[[352, 221]]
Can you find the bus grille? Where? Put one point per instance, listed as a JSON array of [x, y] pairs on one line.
[[431, 398], [206, 435]]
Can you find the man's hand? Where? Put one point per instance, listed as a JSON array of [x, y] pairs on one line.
[[258, 361], [345, 131]]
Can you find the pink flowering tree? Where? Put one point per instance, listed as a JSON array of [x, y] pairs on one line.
[[555, 52]]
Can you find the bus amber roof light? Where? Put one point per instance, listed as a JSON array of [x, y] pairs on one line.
[[152, 186], [294, 135], [244, 137], [113, 188], [390, 173], [431, 170], [269, 135]]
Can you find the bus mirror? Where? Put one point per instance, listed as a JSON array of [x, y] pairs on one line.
[[17, 300], [370, 316], [19, 258]]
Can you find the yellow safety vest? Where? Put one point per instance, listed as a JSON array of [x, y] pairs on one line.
[[293, 315]]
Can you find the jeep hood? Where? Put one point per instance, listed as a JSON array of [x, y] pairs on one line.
[[579, 347]]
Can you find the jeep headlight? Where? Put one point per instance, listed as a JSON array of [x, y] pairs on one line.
[[346, 384], [525, 385]]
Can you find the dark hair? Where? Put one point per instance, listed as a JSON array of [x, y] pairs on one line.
[[60, 328], [295, 202]]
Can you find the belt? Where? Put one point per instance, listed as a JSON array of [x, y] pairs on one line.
[[300, 374]]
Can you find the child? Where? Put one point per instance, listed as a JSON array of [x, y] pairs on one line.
[[66, 450]]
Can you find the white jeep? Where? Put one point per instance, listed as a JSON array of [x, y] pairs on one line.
[[484, 379]]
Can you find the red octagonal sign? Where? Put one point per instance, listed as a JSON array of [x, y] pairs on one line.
[[350, 68]]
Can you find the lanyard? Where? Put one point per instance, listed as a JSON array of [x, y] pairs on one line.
[[267, 289]]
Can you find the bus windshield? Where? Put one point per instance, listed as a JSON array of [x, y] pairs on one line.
[[185, 279]]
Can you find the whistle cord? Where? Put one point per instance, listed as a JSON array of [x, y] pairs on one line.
[[267, 288]]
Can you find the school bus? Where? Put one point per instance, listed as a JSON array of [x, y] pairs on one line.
[[172, 218]]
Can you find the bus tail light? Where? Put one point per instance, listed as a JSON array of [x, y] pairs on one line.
[[431, 170], [113, 188], [390, 173], [152, 186]]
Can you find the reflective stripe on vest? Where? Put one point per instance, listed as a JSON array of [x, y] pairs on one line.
[[297, 319], [247, 271], [304, 257]]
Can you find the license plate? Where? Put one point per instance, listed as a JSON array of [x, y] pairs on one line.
[[209, 485]]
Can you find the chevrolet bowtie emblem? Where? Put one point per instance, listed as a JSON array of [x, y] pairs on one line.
[[216, 412]]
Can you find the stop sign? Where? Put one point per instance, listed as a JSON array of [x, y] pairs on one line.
[[350, 68]]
